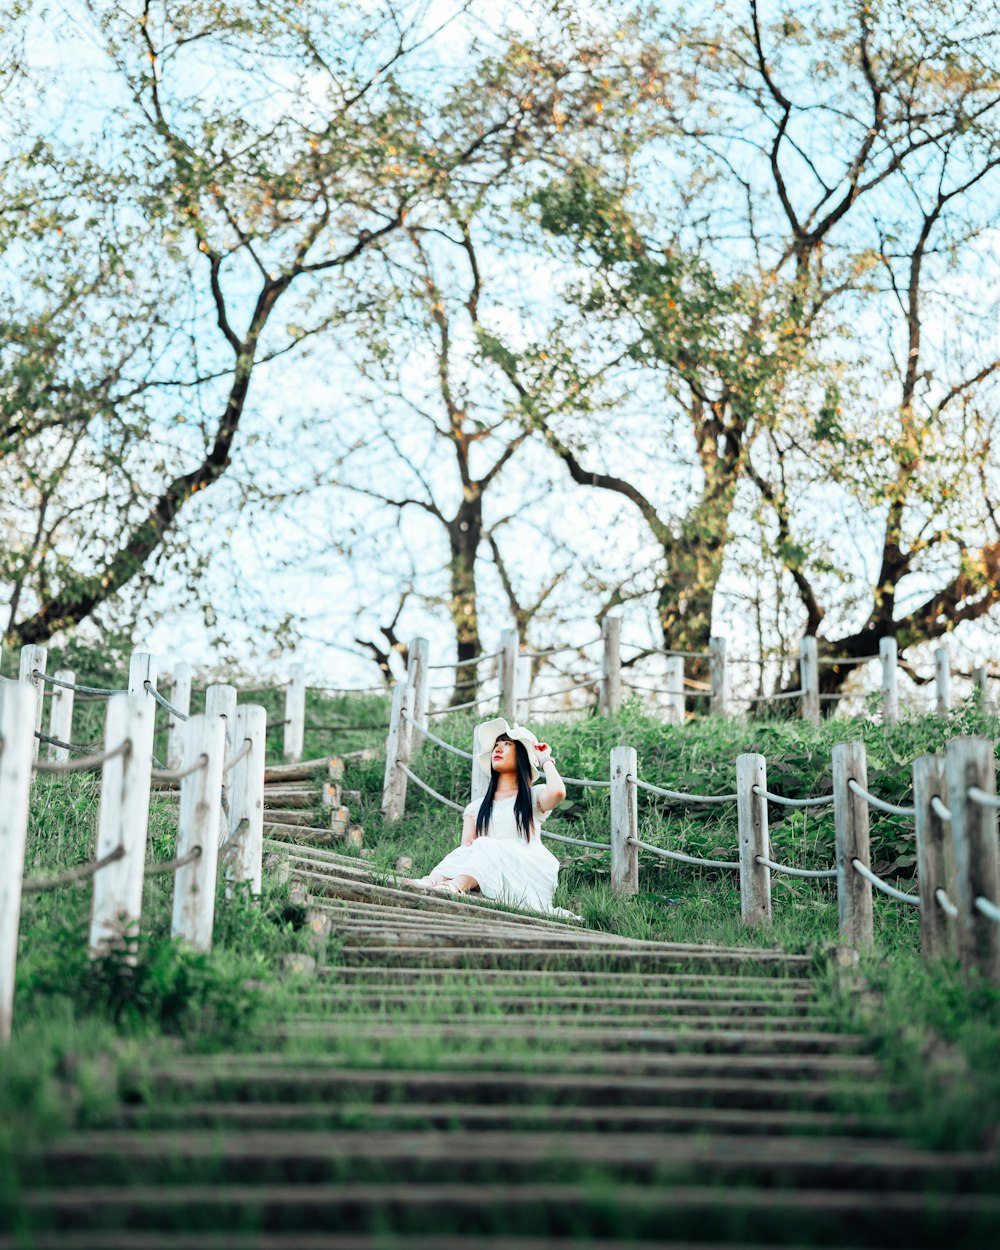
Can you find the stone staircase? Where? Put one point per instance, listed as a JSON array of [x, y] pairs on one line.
[[458, 1074]]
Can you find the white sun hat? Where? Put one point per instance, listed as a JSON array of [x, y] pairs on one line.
[[490, 730]]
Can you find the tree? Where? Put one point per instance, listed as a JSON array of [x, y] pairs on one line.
[[787, 153], [251, 171]]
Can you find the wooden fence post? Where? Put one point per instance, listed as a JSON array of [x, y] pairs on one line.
[[522, 709], [396, 753], [718, 677], [942, 692], [122, 820], [970, 764], [480, 777], [33, 661], [61, 715], [141, 668], [624, 821], [850, 813], [295, 714], [244, 857], [755, 879], [509, 646], [981, 686], [416, 678], [611, 666], [935, 863], [198, 825], [888, 654], [17, 712], [809, 679], [674, 710], [220, 701], [180, 698]]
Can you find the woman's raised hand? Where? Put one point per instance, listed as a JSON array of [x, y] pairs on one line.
[[542, 755]]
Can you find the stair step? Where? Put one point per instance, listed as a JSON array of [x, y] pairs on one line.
[[572, 1007], [687, 1041], [283, 1156], [535, 957], [541, 981], [237, 1239], [745, 1081], [318, 769], [344, 1117], [436, 1015], [884, 1217]]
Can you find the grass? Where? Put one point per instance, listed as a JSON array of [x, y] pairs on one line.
[[82, 1029]]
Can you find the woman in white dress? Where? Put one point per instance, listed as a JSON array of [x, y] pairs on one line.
[[501, 853]]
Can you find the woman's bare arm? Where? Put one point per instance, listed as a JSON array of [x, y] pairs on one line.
[[554, 790], [469, 829]]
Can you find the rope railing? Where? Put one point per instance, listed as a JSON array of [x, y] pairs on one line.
[[940, 810], [984, 799], [548, 836], [945, 903], [87, 764], [430, 790], [680, 855], [586, 782], [459, 685], [479, 659], [892, 808], [552, 694], [38, 885], [816, 873], [985, 908], [542, 655], [679, 794], [172, 865], [97, 691], [822, 800], [772, 698], [178, 774], [174, 711], [78, 747], [683, 655], [432, 737], [462, 707], [685, 692], [241, 754], [884, 886], [847, 659]]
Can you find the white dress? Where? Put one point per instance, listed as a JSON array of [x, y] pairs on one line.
[[508, 869]]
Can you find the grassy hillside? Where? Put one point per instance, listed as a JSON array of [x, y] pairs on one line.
[[77, 1024]]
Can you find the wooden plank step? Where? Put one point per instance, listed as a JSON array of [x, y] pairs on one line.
[[543, 980], [238, 1239], [274, 800], [542, 957], [348, 1116], [686, 1041], [694, 1079], [436, 1015], [772, 1012], [348, 833], [422, 903], [281, 1155], [318, 769], [421, 924], [889, 1217]]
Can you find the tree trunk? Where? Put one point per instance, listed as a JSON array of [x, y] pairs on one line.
[[464, 534]]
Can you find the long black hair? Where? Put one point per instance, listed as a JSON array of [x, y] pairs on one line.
[[523, 812]]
